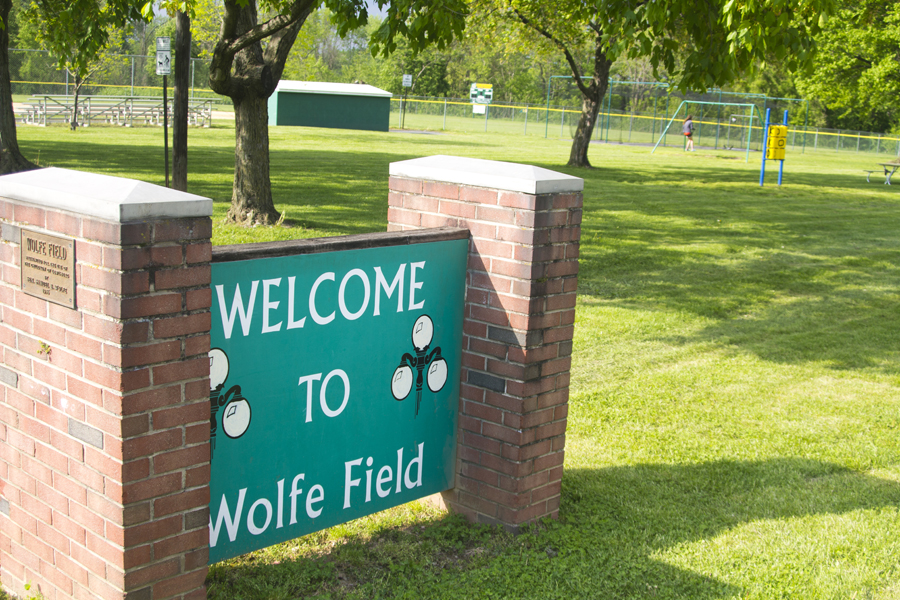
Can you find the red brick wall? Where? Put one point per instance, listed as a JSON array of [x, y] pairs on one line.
[[517, 344], [104, 417]]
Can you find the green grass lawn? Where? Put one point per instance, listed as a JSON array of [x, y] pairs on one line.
[[734, 425]]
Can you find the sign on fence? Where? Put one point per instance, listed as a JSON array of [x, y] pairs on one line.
[[334, 388], [481, 93], [163, 56]]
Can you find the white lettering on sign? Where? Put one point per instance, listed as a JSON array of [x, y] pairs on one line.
[[261, 511], [236, 306], [312, 300], [381, 284], [352, 316], [402, 477], [259, 516], [273, 311], [323, 400]]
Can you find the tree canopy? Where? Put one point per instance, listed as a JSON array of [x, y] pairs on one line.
[[697, 45], [857, 74]]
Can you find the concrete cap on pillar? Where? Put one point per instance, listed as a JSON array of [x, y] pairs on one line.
[[102, 196], [512, 177]]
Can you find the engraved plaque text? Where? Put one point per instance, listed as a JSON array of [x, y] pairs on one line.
[[48, 267]]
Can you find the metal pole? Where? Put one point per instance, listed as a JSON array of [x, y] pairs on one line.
[[487, 109], [700, 123], [816, 147], [781, 165], [547, 127], [653, 125], [878, 145], [526, 121], [667, 118], [444, 126], [718, 120], [193, 64], [750, 134], [562, 119], [166, 128], [662, 135], [858, 139], [805, 125], [608, 109], [132, 76], [762, 167]]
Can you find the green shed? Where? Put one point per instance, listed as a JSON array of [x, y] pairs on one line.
[[337, 105]]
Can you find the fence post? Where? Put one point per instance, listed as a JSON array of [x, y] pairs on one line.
[[562, 119], [816, 145], [444, 126], [526, 121], [858, 140]]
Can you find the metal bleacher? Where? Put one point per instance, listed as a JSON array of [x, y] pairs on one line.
[[94, 110]]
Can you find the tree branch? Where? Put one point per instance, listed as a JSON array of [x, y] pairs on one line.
[[573, 64]]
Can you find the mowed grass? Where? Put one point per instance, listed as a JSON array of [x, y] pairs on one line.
[[734, 424]]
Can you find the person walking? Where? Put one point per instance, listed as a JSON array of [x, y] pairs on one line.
[[687, 128]]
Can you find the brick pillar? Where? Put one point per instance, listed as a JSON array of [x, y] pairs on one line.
[[520, 309], [104, 418]]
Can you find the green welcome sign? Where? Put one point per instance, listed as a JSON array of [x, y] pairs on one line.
[[334, 388]]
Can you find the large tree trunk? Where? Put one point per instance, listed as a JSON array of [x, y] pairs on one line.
[[180, 118], [592, 97], [11, 158], [248, 73], [251, 201], [581, 141]]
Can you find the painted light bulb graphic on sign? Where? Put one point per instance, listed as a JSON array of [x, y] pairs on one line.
[[424, 367], [236, 414]]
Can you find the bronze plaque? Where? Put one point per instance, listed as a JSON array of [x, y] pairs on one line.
[[48, 267]]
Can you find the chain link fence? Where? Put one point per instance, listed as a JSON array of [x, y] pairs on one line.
[[727, 128], [632, 112], [35, 72]]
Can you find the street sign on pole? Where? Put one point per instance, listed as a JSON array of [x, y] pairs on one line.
[[164, 68], [407, 81], [163, 56]]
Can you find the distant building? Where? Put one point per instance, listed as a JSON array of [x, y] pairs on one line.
[[335, 105]]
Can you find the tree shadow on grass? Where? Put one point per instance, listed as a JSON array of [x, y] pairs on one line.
[[636, 511], [339, 190], [791, 278], [614, 523]]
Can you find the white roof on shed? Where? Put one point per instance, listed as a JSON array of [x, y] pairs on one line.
[[338, 89]]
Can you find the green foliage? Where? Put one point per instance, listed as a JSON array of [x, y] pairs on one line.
[[78, 31], [857, 76]]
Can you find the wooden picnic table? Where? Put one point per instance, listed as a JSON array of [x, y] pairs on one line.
[[889, 170]]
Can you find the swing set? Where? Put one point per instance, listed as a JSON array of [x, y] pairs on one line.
[[749, 108]]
